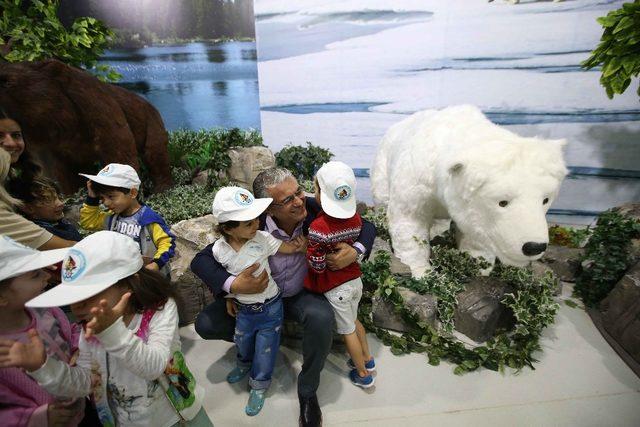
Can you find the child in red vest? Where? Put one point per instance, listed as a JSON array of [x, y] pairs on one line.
[[338, 221]]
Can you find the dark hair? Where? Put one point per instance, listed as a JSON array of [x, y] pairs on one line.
[[26, 169], [103, 189], [221, 228], [150, 290], [35, 190]]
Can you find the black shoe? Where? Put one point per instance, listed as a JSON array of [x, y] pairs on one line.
[[310, 414]]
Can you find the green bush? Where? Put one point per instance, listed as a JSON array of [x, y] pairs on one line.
[[31, 31], [207, 149], [619, 50], [303, 162], [532, 304], [183, 202], [606, 257]]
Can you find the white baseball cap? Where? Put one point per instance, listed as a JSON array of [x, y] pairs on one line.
[[91, 266], [237, 204], [338, 189], [116, 175], [16, 259]]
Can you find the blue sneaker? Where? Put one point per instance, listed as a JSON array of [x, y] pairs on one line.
[[255, 403], [369, 364], [237, 374], [364, 382]]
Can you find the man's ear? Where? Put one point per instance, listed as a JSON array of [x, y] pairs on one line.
[[134, 192], [3, 301]]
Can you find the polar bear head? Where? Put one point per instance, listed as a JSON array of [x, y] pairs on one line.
[[500, 191]]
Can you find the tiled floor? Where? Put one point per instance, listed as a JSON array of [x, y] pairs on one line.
[[579, 381]]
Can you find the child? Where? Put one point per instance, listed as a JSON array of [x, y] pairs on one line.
[[258, 316], [117, 185], [131, 338], [22, 277], [41, 204], [335, 186]]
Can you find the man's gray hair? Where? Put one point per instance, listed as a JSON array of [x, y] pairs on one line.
[[269, 178]]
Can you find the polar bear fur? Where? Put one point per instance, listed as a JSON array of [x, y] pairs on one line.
[[454, 163]]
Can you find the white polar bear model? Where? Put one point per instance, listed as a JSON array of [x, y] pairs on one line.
[[454, 163]]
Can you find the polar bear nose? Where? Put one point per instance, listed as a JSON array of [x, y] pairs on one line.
[[533, 248]]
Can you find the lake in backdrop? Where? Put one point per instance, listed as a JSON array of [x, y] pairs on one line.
[[194, 85]]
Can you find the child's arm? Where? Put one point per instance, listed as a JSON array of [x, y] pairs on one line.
[[91, 216], [316, 253], [299, 244], [147, 360], [56, 377], [165, 245]]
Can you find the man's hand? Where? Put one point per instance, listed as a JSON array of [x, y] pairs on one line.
[[104, 316], [300, 243], [245, 283], [344, 256], [232, 308], [30, 356]]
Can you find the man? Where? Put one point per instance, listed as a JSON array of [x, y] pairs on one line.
[[287, 217]]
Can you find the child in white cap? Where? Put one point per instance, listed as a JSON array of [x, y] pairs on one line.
[[335, 186], [258, 316], [130, 360], [117, 185], [22, 277]]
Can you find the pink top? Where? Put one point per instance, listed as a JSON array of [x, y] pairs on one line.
[[24, 402]]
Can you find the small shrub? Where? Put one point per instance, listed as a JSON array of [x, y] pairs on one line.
[[303, 162], [378, 217], [207, 149], [606, 257], [619, 50], [569, 237], [183, 202]]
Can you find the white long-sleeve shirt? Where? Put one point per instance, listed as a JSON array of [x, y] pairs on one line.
[[131, 366]]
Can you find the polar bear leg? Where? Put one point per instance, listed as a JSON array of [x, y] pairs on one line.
[[408, 230], [470, 246]]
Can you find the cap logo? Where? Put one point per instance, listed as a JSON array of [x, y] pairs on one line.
[[73, 265], [342, 193], [105, 171], [243, 198]]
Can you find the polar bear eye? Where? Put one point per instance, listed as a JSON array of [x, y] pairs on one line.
[[503, 203], [545, 201]]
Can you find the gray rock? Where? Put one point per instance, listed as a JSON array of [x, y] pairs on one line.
[[631, 210], [396, 266], [247, 163], [424, 306], [192, 235], [621, 312], [479, 312], [540, 270], [563, 261]]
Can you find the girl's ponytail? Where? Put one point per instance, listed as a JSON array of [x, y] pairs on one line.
[[149, 290]]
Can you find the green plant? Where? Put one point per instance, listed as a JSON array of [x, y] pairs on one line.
[[34, 32], [606, 257], [619, 50], [303, 162], [532, 304], [569, 237], [207, 149], [378, 217], [183, 202]]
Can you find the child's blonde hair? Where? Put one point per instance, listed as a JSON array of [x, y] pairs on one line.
[[5, 167]]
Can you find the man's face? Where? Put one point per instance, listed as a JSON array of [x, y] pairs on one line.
[[288, 201]]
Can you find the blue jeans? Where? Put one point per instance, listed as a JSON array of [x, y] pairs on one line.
[[257, 338]]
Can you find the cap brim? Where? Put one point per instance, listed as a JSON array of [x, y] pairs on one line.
[[66, 294], [38, 260], [255, 210], [106, 180], [341, 210]]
